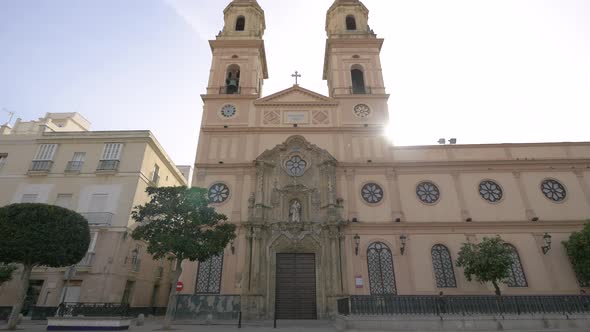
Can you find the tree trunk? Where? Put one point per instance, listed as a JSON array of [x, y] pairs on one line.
[[18, 306], [171, 309], [495, 283]]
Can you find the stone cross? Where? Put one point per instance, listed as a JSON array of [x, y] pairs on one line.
[[296, 75]]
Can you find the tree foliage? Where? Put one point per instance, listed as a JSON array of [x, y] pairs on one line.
[[178, 222], [6, 271], [34, 234], [578, 250], [487, 261]]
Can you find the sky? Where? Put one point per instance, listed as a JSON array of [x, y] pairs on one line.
[[481, 71]]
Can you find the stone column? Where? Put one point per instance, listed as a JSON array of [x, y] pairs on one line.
[[352, 212]]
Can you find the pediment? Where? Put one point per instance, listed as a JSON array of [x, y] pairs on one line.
[[296, 143], [295, 95]]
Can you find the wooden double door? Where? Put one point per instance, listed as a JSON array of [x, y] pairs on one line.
[[296, 287]]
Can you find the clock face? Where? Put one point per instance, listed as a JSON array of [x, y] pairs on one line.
[[362, 110], [228, 111]]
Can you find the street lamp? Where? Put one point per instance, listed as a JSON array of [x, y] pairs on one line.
[[402, 240], [547, 243], [357, 241]]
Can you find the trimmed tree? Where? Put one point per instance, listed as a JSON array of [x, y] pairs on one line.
[[578, 250], [178, 223], [6, 271], [487, 261], [40, 235]]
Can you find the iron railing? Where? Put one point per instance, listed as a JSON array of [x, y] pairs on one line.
[[74, 166], [98, 218], [359, 90], [229, 90], [41, 165], [93, 309], [463, 305], [108, 165]]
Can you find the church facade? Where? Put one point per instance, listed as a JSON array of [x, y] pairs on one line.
[[327, 207]]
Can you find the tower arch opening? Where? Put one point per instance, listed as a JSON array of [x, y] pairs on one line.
[[240, 23], [232, 80], [357, 76], [350, 23]]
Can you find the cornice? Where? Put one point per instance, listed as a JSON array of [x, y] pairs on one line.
[[493, 227], [301, 129]]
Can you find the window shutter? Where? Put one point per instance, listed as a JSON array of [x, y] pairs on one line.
[[46, 152], [112, 151], [98, 203], [79, 156], [64, 200]]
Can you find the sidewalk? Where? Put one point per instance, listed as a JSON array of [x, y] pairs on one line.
[[156, 325]]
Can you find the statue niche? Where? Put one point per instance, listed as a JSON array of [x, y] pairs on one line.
[[295, 211]]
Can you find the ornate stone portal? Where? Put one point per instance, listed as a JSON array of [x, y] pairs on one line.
[[294, 210]]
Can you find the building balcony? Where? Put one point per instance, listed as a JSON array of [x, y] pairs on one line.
[[74, 166], [230, 90], [108, 166], [98, 218], [40, 166], [360, 90]]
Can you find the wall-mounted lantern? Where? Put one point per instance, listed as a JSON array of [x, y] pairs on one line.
[[357, 241], [232, 247], [546, 243], [402, 240]]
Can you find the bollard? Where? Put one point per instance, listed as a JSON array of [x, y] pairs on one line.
[[274, 326], [140, 320], [240, 320]]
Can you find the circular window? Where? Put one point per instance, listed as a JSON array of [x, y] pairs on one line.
[[553, 190], [372, 193], [296, 166], [218, 193], [362, 111], [428, 192], [228, 111], [490, 191]]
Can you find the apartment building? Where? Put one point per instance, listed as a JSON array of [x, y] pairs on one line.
[[103, 176]]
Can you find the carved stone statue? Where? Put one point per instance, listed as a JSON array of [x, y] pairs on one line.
[[295, 211]]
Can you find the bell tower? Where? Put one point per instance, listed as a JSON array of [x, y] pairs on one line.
[[352, 64], [239, 61]]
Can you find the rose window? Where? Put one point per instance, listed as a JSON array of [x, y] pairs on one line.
[[372, 193], [428, 192], [553, 190], [296, 166], [218, 193], [490, 191], [362, 111]]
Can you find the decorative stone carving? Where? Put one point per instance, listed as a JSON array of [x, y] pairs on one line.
[[295, 211]]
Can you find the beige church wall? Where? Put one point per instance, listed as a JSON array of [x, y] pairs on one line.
[[401, 154], [371, 213], [574, 207], [418, 253], [366, 147], [378, 115], [223, 57], [477, 153], [509, 208], [446, 209], [539, 152], [189, 276], [580, 150]]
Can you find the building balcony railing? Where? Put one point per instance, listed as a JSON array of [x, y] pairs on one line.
[[98, 218], [74, 166], [87, 260], [463, 305], [360, 90], [230, 90], [41, 166], [108, 165]]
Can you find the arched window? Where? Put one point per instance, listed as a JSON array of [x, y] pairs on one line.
[[358, 80], [240, 23], [350, 22], [209, 275], [443, 267], [232, 80], [381, 273], [516, 277]]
